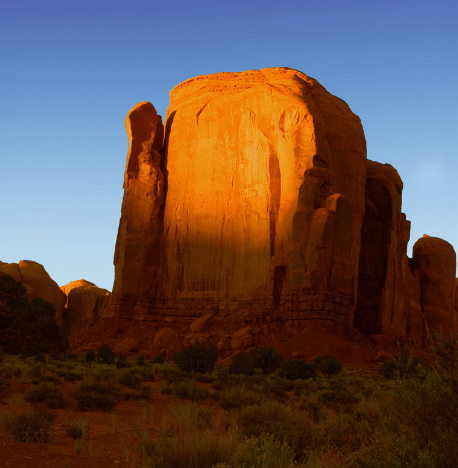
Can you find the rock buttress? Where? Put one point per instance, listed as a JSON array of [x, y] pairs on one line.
[[138, 256]]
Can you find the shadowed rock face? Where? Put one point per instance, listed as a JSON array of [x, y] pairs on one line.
[[257, 196], [435, 261], [38, 283], [85, 305]]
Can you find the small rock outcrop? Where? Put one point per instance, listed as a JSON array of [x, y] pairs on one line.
[[85, 305], [38, 283]]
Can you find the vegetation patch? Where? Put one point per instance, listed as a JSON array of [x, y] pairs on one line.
[[29, 427], [96, 396]]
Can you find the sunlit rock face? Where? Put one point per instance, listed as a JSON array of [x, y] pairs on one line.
[[256, 199], [139, 252]]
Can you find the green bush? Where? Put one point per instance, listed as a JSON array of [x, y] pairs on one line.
[[157, 360], [403, 366], [69, 356], [29, 427], [121, 362], [242, 363], [197, 358], [267, 359], [327, 365], [90, 356], [105, 355], [27, 328], [54, 379], [294, 369], [141, 360]]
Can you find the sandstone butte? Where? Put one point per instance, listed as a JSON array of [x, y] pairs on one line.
[[251, 217], [255, 211]]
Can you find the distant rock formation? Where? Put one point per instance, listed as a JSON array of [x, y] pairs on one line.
[[38, 283], [85, 305], [257, 197]]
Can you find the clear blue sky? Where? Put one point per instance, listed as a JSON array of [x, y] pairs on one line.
[[71, 70]]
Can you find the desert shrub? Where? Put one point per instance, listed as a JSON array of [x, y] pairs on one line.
[[105, 375], [11, 372], [144, 392], [242, 363], [96, 396], [130, 379], [46, 393], [188, 389], [27, 327], [69, 375], [271, 417], [262, 417], [403, 366], [157, 360], [35, 371], [197, 358], [29, 427], [147, 373], [190, 448], [121, 362], [69, 356], [54, 379], [267, 359], [90, 356], [327, 365], [265, 451], [294, 369], [141, 360], [337, 399], [75, 429], [105, 355], [203, 378], [237, 398]]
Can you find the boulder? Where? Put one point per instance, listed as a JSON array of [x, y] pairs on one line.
[[127, 345], [85, 303], [382, 356], [38, 283], [166, 343], [202, 323]]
